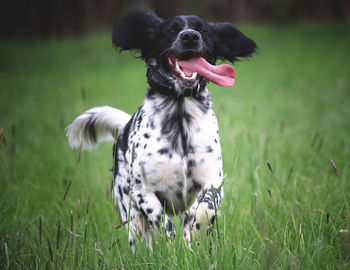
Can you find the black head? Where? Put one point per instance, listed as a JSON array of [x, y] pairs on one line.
[[175, 48]]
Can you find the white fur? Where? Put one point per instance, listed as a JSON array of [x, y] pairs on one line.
[[107, 123]]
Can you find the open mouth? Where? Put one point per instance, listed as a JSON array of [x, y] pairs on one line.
[[189, 64], [185, 74]]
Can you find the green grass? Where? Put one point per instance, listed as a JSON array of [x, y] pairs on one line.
[[290, 108]]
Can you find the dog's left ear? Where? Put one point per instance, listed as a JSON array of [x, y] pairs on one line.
[[137, 31], [230, 43]]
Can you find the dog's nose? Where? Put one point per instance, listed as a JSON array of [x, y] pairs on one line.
[[190, 37]]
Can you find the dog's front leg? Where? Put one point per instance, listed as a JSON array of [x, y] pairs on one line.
[[154, 211], [206, 207]]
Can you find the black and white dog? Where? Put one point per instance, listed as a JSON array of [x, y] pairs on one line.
[[167, 155]]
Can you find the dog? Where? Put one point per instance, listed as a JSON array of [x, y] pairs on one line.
[[167, 156]]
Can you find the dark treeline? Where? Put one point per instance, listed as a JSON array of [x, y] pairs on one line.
[[43, 18]]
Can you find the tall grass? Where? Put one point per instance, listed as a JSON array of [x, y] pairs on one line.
[[284, 129]]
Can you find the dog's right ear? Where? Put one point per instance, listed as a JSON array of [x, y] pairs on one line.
[[137, 31]]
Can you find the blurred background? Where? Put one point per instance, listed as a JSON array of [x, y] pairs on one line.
[[44, 18], [284, 127]]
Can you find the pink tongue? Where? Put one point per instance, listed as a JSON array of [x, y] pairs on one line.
[[222, 75]]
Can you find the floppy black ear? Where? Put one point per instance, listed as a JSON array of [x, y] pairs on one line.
[[136, 31], [230, 43]]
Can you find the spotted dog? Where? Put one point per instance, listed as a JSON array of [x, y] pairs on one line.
[[167, 155]]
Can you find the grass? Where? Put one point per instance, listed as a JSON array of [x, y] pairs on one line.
[[281, 125]]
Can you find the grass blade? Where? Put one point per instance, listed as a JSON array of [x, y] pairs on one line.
[[7, 255], [50, 249], [269, 166], [40, 230], [335, 168], [72, 231], [67, 189], [58, 236]]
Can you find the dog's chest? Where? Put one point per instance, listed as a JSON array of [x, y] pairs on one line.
[[174, 150]]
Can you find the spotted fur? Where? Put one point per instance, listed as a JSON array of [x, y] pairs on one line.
[[167, 157]]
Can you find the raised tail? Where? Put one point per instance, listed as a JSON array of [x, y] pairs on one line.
[[95, 126]]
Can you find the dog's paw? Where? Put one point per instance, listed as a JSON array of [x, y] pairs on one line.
[[204, 219]]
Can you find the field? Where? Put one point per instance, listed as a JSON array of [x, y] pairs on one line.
[[287, 117]]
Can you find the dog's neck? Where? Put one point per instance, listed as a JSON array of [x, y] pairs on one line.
[[162, 83]]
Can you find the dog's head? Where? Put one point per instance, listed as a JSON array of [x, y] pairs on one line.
[[183, 49]]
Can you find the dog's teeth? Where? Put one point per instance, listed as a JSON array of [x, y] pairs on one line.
[[194, 75], [177, 65], [182, 74]]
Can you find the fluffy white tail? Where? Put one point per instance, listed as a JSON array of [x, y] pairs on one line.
[[96, 125]]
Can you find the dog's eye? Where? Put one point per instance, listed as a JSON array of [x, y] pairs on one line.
[[175, 28], [202, 30]]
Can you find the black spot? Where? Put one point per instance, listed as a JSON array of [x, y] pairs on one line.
[[185, 220], [146, 135], [203, 102], [137, 145], [212, 220], [149, 154], [139, 118], [163, 150], [220, 174], [209, 149], [141, 201], [198, 226], [210, 206], [124, 209], [191, 149], [144, 147], [180, 184], [195, 187], [169, 226], [179, 194], [149, 210], [191, 163], [138, 181], [152, 124], [215, 140], [120, 192], [158, 220], [126, 190], [187, 116], [189, 173]]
